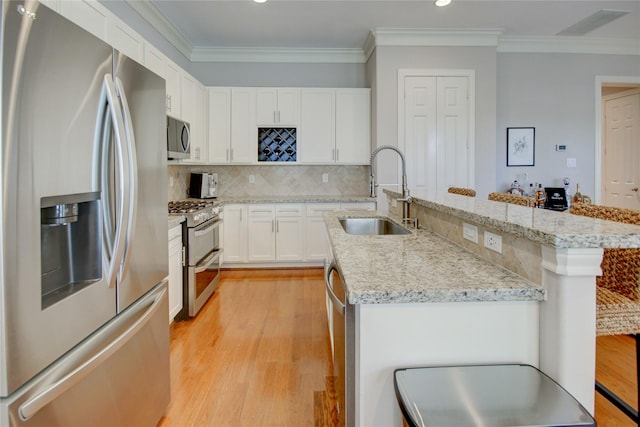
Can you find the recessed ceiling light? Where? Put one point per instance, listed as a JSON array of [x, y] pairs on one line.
[[592, 22], [260, 1], [441, 3]]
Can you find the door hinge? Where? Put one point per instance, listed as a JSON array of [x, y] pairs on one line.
[[184, 257]]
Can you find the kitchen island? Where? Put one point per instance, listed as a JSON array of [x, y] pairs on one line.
[[435, 298]]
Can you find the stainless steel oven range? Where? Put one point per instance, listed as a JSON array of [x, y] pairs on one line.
[[201, 239]]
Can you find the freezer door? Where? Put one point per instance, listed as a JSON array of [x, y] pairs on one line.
[[117, 377], [142, 94], [52, 80]]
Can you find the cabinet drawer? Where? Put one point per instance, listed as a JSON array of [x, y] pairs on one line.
[[318, 209], [358, 206], [286, 209], [261, 211]]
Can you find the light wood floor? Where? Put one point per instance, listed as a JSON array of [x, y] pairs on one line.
[[258, 354]]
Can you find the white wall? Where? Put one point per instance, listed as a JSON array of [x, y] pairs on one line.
[[555, 93], [279, 74], [387, 61]]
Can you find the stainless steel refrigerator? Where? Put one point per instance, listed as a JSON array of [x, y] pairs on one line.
[[84, 339]]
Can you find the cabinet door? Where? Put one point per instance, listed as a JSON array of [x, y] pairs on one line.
[[125, 39], [317, 131], [219, 124], [235, 234], [199, 141], [316, 247], [175, 272], [154, 60], [173, 76], [288, 107], [353, 126], [289, 238], [244, 133], [262, 230], [89, 15], [266, 106]]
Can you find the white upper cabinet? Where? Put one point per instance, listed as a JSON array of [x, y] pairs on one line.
[[154, 60], [317, 131], [219, 124], [127, 41], [353, 126], [244, 132], [89, 15], [172, 75], [233, 134], [194, 112], [335, 126], [277, 106]]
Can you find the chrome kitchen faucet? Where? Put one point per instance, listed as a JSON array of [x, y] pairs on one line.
[[406, 197]]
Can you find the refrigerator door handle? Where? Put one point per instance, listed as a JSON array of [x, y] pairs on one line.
[[132, 172], [115, 249], [147, 306]]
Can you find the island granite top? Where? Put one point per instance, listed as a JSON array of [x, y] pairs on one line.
[[551, 228], [294, 199], [419, 267]]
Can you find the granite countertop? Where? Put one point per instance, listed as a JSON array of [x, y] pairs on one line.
[[551, 228], [295, 199], [418, 267]]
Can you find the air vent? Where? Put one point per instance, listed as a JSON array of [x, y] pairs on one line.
[[592, 22], [277, 144]]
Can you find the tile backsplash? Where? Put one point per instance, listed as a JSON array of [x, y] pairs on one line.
[[275, 180]]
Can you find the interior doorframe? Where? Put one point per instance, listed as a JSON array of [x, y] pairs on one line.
[[471, 129], [599, 104]]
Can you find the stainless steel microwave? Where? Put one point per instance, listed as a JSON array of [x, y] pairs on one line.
[[178, 139]]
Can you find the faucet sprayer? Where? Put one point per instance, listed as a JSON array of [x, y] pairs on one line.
[[406, 198]]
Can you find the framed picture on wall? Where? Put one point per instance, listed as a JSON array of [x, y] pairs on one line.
[[521, 144]]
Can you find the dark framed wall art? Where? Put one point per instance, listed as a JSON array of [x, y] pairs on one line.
[[521, 146]]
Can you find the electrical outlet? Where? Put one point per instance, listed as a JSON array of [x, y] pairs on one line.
[[171, 183], [470, 232], [493, 242], [325, 177], [252, 179]]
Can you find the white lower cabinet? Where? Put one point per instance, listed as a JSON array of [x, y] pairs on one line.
[[276, 232], [279, 233], [175, 271], [316, 231], [235, 231]]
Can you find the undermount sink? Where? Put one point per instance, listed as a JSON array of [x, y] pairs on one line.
[[371, 226]]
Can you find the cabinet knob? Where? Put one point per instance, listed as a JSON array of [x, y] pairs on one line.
[[635, 189]]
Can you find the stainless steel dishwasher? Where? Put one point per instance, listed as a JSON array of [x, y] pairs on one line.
[[344, 358]]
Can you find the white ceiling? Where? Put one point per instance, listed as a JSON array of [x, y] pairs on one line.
[[332, 24]]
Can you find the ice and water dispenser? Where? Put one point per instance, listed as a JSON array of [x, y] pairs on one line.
[[70, 245]]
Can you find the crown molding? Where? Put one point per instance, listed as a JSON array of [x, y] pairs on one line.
[[560, 44], [150, 12], [436, 37], [282, 55]]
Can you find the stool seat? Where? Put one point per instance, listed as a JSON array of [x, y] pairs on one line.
[[485, 395]]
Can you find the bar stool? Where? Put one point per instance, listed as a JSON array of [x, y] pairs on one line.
[[485, 395], [513, 199], [462, 191], [617, 293]]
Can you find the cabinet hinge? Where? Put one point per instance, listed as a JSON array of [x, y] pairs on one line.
[[184, 257]]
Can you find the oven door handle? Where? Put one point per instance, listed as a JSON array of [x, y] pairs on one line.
[[207, 230], [208, 261]]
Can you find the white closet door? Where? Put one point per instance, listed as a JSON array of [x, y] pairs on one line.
[[436, 131], [420, 131], [622, 152]]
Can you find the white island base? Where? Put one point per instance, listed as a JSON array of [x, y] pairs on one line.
[[431, 334]]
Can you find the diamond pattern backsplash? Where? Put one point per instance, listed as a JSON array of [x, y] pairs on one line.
[[275, 179], [276, 144]]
